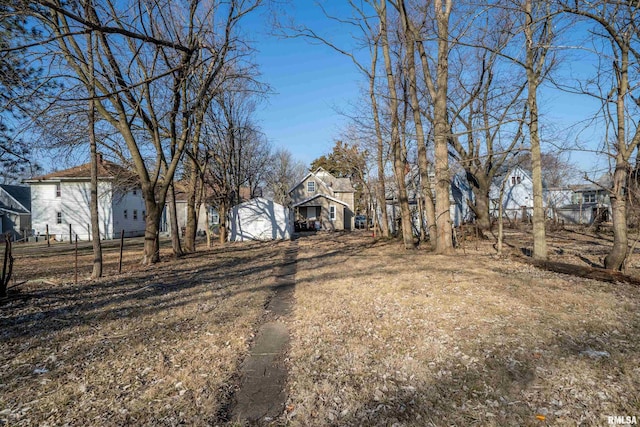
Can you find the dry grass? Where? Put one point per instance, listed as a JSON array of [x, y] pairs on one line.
[[388, 337], [158, 346], [380, 336]]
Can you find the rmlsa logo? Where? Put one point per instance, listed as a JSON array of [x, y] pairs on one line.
[[622, 420]]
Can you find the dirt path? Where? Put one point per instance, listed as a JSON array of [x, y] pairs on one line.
[[261, 396]]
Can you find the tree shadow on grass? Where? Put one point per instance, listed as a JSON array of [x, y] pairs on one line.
[[161, 287]]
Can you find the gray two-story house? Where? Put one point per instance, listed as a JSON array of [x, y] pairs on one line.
[[323, 202]]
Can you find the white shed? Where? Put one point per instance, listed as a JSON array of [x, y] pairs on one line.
[[260, 219]]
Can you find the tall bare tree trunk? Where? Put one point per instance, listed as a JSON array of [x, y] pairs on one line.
[[222, 214], [533, 80], [95, 218], [175, 227], [195, 192], [396, 146], [381, 188], [618, 25], [616, 257], [444, 244], [151, 253], [423, 162], [618, 253], [481, 207], [192, 211]]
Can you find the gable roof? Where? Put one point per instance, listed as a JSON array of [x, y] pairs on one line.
[[320, 195], [341, 185], [21, 194], [106, 171]]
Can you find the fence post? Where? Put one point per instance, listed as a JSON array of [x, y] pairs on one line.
[[121, 247], [88, 232], [477, 235], [76, 279], [48, 241], [70, 239]]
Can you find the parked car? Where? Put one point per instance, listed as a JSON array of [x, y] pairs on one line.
[[361, 221]]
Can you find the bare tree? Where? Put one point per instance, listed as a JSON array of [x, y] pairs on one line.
[[95, 220], [435, 70], [538, 31], [143, 85], [397, 149], [238, 150], [486, 107], [616, 23], [426, 197], [367, 37], [283, 173]]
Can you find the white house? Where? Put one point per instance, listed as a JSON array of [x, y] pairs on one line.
[[60, 200], [517, 201], [260, 219]]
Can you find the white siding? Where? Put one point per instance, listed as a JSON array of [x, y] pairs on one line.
[[73, 204], [260, 219], [44, 207], [131, 203], [518, 194]]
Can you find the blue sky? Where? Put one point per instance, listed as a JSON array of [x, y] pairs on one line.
[[311, 84]]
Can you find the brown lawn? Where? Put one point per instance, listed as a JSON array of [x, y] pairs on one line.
[[380, 336], [156, 346], [383, 336]]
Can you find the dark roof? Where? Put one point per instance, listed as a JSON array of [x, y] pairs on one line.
[[21, 193]]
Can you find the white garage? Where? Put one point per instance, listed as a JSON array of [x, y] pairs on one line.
[[260, 219]]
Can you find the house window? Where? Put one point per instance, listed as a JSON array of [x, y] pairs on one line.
[[58, 217], [513, 180], [519, 179], [332, 212], [135, 214], [589, 197], [126, 214], [57, 189], [311, 186], [135, 191], [144, 214]]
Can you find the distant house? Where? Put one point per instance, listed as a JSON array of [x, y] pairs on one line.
[[61, 199], [181, 192], [15, 210], [181, 213], [322, 201], [517, 200], [260, 219], [588, 203], [460, 195]]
